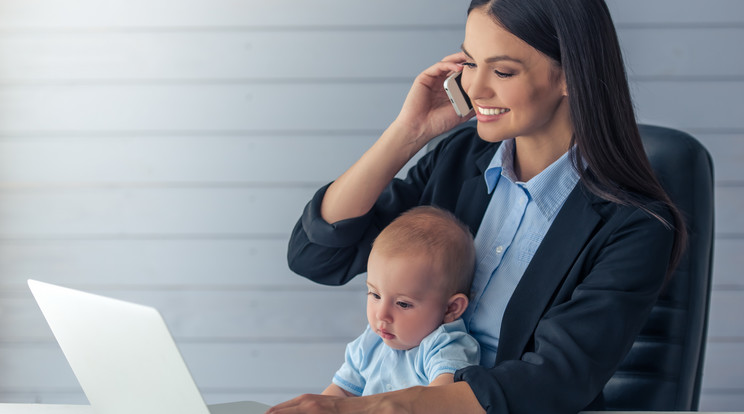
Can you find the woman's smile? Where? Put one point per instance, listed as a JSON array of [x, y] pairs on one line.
[[490, 114]]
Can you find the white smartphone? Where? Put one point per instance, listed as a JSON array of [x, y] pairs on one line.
[[457, 95]]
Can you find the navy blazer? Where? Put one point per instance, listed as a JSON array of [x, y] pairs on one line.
[[578, 307]]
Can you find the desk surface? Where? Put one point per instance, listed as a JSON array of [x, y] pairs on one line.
[[44, 409], [85, 409], [242, 407]]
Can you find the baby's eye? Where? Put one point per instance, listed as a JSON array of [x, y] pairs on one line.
[[374, 295], [404, 305]]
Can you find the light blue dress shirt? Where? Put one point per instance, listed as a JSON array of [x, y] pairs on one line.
[[371, 367], [516, 220]]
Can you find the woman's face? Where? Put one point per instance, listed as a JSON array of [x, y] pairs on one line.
[[516, 90]]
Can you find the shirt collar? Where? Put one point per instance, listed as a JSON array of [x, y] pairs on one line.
[[502, 160], [548, 190]]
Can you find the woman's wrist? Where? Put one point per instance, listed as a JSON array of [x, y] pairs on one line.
[[354, 193], [404, 139], [456, 397]]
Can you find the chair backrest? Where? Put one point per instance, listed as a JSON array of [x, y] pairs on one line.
[[664, 368]]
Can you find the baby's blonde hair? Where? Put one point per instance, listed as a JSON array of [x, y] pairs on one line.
[[438, 234]]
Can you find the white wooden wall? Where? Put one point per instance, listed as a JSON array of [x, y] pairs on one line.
[[160, 151]]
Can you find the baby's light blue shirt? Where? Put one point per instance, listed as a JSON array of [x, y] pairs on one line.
[[371, 367]]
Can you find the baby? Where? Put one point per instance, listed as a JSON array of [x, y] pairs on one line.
[[418, 279]]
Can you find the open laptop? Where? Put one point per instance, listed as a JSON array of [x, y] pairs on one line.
[[123, 355]]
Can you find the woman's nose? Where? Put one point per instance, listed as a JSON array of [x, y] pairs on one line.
[[476, 86]]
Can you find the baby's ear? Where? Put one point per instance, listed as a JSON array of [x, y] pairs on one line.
[[456, 305]]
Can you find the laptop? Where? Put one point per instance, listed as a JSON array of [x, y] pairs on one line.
[[124, 356]]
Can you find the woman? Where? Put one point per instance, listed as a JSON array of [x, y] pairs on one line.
[[574, 235]]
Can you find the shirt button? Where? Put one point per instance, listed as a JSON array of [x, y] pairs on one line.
[[389, 387], [499, 249], [522, 200]]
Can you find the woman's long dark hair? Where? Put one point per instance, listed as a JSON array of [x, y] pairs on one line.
[[580, 37]]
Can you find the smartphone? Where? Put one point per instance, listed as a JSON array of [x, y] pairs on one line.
[[457, 95]]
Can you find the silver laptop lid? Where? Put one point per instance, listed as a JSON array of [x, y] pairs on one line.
[[121, 353]]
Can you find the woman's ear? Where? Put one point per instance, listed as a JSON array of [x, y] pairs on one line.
[[564, 87], [559, 76], [456, 306]]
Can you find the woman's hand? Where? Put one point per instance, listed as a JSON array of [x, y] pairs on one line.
[[324, 404], [451, 398], [308, 403], [427, 111]]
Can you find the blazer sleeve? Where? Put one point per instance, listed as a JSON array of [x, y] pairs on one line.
[[584, 334], [333, 254]]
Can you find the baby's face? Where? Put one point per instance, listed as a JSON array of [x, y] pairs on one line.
[[405, 299]]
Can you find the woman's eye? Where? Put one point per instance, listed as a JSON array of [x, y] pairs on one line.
[[404, 305], [503, 74], [469, 65]]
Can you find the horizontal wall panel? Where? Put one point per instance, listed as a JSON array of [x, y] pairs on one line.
[[92, 14], [727, 151], [724, 319], [223, 159], [203, 263], [269, 367], [685, 12], [224, 14], [731, 401], [271, 55], [183, 56], [199, 108], [248, 314], [724, 366], [728, 262], [729, 203], [198, 211], [298, 107], [210, 159], [207, 315], [160, 263], [298, 366], [179, 212], [661, 52], [35, 366], [690, 104]]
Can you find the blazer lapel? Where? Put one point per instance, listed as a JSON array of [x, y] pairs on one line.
[[568, 234], [472, 202], [474, 197]]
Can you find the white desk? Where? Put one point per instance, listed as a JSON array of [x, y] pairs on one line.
[[85, 409], [243, 407], [44, 409]]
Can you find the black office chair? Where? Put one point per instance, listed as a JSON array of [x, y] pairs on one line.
[[664, 368]]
